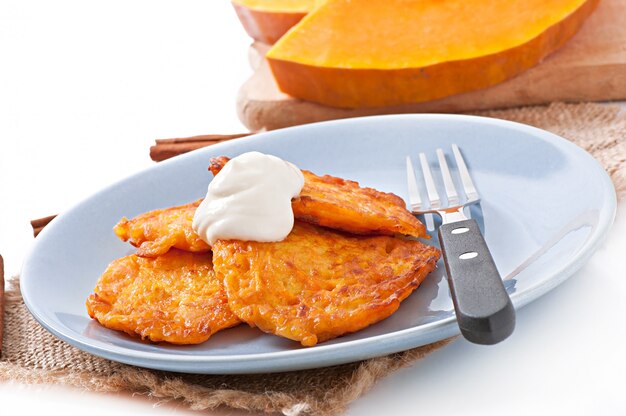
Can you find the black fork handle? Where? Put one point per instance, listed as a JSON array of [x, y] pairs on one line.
[[483, 308]]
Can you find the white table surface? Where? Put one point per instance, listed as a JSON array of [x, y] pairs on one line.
[[85, 88]]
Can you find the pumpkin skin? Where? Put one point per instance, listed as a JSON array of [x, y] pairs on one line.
[[268, 20], [393, 52]]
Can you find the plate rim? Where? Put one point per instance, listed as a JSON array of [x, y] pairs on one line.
[[283, 360]]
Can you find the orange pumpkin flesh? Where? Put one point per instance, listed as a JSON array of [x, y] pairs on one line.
[[268, 20], [392, 52]]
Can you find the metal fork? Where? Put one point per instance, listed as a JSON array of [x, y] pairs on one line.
[[483, 308]]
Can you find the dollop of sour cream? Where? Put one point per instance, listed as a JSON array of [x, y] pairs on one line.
[[249, 199]]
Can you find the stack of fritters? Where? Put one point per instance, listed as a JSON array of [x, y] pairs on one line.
[[346, 264]]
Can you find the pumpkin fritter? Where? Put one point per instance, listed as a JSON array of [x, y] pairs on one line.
[[155, 232], [175, 297], [343, 205], [318, 284], [324, 200]]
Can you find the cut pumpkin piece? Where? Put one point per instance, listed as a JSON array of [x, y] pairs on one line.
[[374, 53], [268, 20]]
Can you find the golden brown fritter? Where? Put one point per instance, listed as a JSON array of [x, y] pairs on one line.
[[343, 205], [318, 284], [175, 297], [324, 200], [155, 232]]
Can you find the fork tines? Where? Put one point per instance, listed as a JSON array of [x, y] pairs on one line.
[[452, 196]]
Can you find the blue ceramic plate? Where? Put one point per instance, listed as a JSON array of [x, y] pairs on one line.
[[546, 206]]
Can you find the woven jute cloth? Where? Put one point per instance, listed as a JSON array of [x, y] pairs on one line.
[[32, 355]]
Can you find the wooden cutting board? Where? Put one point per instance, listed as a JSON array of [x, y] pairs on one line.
[[590, 67]]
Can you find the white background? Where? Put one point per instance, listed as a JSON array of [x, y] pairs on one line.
[[85, 88]]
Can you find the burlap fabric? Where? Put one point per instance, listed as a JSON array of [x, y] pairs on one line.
[[32, 355]]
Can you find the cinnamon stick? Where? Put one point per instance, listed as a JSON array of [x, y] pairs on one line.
[[167, 148], [39, 223], [1, 302], [163, 149]]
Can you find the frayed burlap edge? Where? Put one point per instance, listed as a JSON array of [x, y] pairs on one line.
[[165, 386], [599, 129], [200, 398]]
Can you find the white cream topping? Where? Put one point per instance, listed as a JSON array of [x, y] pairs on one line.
[[249, 199]]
